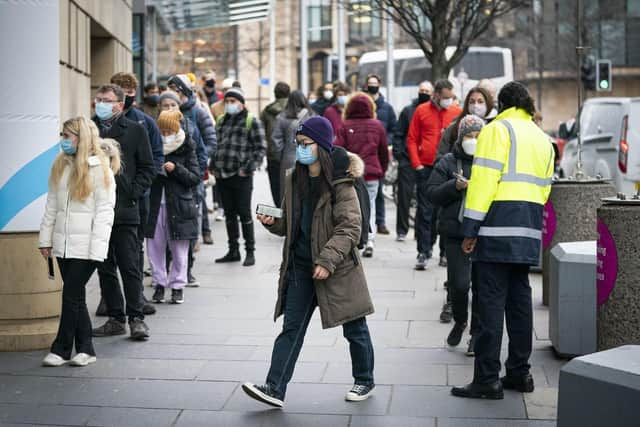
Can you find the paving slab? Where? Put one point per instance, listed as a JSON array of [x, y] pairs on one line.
[[265, 418], [492, 422], [389, 374], [391, 421], [256, 372], [542, 404]]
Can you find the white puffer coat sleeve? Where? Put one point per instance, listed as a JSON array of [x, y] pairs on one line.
[[45, 239], [105, 201]]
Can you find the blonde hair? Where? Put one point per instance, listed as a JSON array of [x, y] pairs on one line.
[[89, 144]]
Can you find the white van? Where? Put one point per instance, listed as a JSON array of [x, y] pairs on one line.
[[610, 130], [411, 68]]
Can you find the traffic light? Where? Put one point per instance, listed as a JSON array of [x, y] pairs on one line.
[[603, 75], [588, 73]]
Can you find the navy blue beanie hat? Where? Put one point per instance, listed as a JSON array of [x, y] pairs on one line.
[[320, 130]]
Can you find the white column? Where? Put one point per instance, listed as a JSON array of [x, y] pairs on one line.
[[304, 52], [154, 44], [272, 46], [391, 77], [341, 42]]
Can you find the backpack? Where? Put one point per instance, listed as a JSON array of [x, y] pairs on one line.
[[248, 120], [365, 210]]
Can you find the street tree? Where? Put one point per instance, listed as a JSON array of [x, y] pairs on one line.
[[436, 24]]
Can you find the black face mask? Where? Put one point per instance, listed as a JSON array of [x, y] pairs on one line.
[[423, 97], [373, 89], [128, 101], [210, 83]]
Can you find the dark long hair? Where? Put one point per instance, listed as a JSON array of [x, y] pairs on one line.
[[515, 94], [296, 102], [465, 109], [301, 175]]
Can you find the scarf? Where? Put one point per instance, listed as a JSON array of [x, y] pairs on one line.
[[168, 148]]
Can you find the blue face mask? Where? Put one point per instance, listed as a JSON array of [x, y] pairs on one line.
[[104, 110], [67, 147], [305, 156], [342, 100], [231, 108]]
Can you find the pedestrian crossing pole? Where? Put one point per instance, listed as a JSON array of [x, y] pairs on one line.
[[304, 48]]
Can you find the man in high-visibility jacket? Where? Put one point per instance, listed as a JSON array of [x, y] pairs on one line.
[[510, 183]]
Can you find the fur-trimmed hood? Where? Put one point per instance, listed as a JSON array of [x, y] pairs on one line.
[[345, 164], [110, 147], [360, 106]]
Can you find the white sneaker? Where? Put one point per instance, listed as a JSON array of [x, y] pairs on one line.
[[82, 359], [53, 360]]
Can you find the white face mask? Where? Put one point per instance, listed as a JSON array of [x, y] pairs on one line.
[[327, 95], [469, 146], [478, 109], [446, 103]]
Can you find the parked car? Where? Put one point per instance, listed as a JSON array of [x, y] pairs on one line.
[[610, 129]]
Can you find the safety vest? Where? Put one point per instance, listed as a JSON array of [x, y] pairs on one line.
[[510, 183]]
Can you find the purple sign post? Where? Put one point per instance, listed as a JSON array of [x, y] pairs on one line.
[[548, 225], [607, 269]]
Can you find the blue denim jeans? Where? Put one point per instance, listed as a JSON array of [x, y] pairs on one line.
[[299, 304]]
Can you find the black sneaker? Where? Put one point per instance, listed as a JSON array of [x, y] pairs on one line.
[[471, 349], [192, 282], [359, 392], [250, 259], [368, 252], [522, 384], [447, 313], [177, 296], [443, 261], [158, 295], [148, 309], [421, 262], [480, 391], [455, 336], [262, 393], [232, 256], [139, 330], [110, 328]]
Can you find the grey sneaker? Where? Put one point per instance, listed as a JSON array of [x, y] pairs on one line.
[[359, 393], [177, 296], [139, 330], [421, 262], [263, 393], [110, 328]]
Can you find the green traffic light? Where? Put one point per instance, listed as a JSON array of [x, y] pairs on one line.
[[604, 84]]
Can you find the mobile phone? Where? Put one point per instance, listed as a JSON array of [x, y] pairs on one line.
[[267, 210], [50, 266], [460, 177]]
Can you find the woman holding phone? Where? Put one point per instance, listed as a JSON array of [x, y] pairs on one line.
[[76, 228], [321, 264]]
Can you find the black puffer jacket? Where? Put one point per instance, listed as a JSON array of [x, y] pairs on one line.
[[441, 190], [179, 188]]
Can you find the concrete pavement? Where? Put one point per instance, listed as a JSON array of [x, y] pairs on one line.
[[189, 372]]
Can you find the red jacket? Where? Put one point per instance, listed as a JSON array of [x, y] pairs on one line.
[[334, 115], [364, 135], [425, 131]]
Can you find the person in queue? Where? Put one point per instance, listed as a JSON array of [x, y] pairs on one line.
[[76, 228], [321, 265]]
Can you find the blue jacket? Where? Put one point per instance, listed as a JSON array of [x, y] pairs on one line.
[[203, 122], [201, 152], [387, 116], [155, 139]]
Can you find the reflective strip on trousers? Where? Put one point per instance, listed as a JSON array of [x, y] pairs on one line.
[[530, 233]]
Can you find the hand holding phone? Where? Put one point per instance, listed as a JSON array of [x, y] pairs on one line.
[[267, 210]]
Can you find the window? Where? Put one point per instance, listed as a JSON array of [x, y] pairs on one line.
[[613, 40], [319, 20], [600, 118], [364, 23], [633, 8], [481, 65]]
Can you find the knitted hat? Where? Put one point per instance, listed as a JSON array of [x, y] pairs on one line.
[[469, 123], [169, 121], [169, 94], [235, 92], [183, 84], [320, 130], [227, 83]]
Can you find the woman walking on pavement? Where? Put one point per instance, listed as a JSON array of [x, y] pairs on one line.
[[284, 137], [446, 188], [173, 214], [76, 228], [321, 265]]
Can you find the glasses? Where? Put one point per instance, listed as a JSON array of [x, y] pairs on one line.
[[106, 100], [305, 143]]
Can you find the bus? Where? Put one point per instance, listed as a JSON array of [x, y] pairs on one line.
[[411, 68]]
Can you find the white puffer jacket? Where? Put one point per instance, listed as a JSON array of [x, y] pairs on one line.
[[79, 229]]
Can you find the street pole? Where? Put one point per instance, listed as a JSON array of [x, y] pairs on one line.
[[260, 52], [579, 53], [304, 52], [391, 71], [272, 46], [341, 41], [154, 44]]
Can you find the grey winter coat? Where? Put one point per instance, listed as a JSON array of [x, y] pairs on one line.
[[344, 295]]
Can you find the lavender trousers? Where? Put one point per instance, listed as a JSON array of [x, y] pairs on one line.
[[157, 250]]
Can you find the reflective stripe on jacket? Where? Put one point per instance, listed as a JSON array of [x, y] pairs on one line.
[[510, 183]]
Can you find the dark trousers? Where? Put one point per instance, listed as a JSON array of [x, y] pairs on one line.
[[144, 208], [503, 292], [406, 185], [202, 193], [381, 216], [124, 255], [75, 323], [236, 199], [459, 279], [424, 212], [435, 217], [273, 170], [299, 304]]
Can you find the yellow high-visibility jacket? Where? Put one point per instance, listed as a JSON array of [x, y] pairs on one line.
[[510, 183]]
